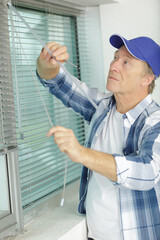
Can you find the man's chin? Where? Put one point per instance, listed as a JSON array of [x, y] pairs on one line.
[[109, 89]]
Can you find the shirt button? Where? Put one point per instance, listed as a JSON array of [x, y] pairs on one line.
[[125, 153], [96, 134]]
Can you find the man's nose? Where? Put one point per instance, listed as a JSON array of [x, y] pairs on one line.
[[115, 65]]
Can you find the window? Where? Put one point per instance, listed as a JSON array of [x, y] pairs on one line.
[[28, 159], [40, 161]]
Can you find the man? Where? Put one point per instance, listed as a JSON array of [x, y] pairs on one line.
[[120, 189]]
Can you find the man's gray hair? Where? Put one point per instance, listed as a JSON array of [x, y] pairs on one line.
[[152, 84]]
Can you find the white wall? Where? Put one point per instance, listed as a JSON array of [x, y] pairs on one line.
[[94, 37], [130, 18]]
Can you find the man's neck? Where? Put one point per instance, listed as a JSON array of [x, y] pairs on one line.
[[125, 103]]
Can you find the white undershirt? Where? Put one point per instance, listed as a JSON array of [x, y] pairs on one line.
[[102, 202]]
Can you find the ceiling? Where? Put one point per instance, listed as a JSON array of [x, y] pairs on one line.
[[86, 3]]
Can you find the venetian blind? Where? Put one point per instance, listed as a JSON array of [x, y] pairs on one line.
[[7, 115], [40, 161]]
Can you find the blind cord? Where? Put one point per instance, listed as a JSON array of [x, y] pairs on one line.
[[44, 105]]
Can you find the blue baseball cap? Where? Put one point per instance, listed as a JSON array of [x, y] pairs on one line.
[[143, 48]]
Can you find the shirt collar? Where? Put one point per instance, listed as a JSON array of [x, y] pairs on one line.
[[134, 113]]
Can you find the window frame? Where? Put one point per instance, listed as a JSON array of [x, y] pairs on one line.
[[13, 222]]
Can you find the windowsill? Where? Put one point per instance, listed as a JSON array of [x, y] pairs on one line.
[[4, 213], [55, 222]]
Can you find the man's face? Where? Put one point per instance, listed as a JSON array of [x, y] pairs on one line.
[[125, 74]]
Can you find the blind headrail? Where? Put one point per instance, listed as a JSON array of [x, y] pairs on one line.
[[54, 6]]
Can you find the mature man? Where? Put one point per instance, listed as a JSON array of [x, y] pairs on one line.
[[120, 189]]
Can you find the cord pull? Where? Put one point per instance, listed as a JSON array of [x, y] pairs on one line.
[[62, 202]]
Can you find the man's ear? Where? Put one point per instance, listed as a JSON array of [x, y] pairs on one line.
[[148, 78]]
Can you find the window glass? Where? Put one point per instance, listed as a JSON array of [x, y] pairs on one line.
[[4, 190]]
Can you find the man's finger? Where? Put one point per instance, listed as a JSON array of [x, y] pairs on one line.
[[48, 45], [53, 49], [63, 57], [53, 130]]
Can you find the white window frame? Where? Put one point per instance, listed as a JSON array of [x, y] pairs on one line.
[[12, 223]]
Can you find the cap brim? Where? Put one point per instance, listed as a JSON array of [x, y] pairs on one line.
[[117, 41]]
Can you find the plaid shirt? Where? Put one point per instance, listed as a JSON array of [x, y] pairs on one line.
[[138, 169]]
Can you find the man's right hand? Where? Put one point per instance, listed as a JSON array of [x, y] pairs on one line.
[[47, 67]]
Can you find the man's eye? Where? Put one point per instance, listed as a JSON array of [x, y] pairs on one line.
[[125, 62]]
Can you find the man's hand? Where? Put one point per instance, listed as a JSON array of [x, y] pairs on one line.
[[67, 142], [100, 162], [47, 67]]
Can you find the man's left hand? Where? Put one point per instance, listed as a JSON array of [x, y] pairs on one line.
[[67, 142]]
